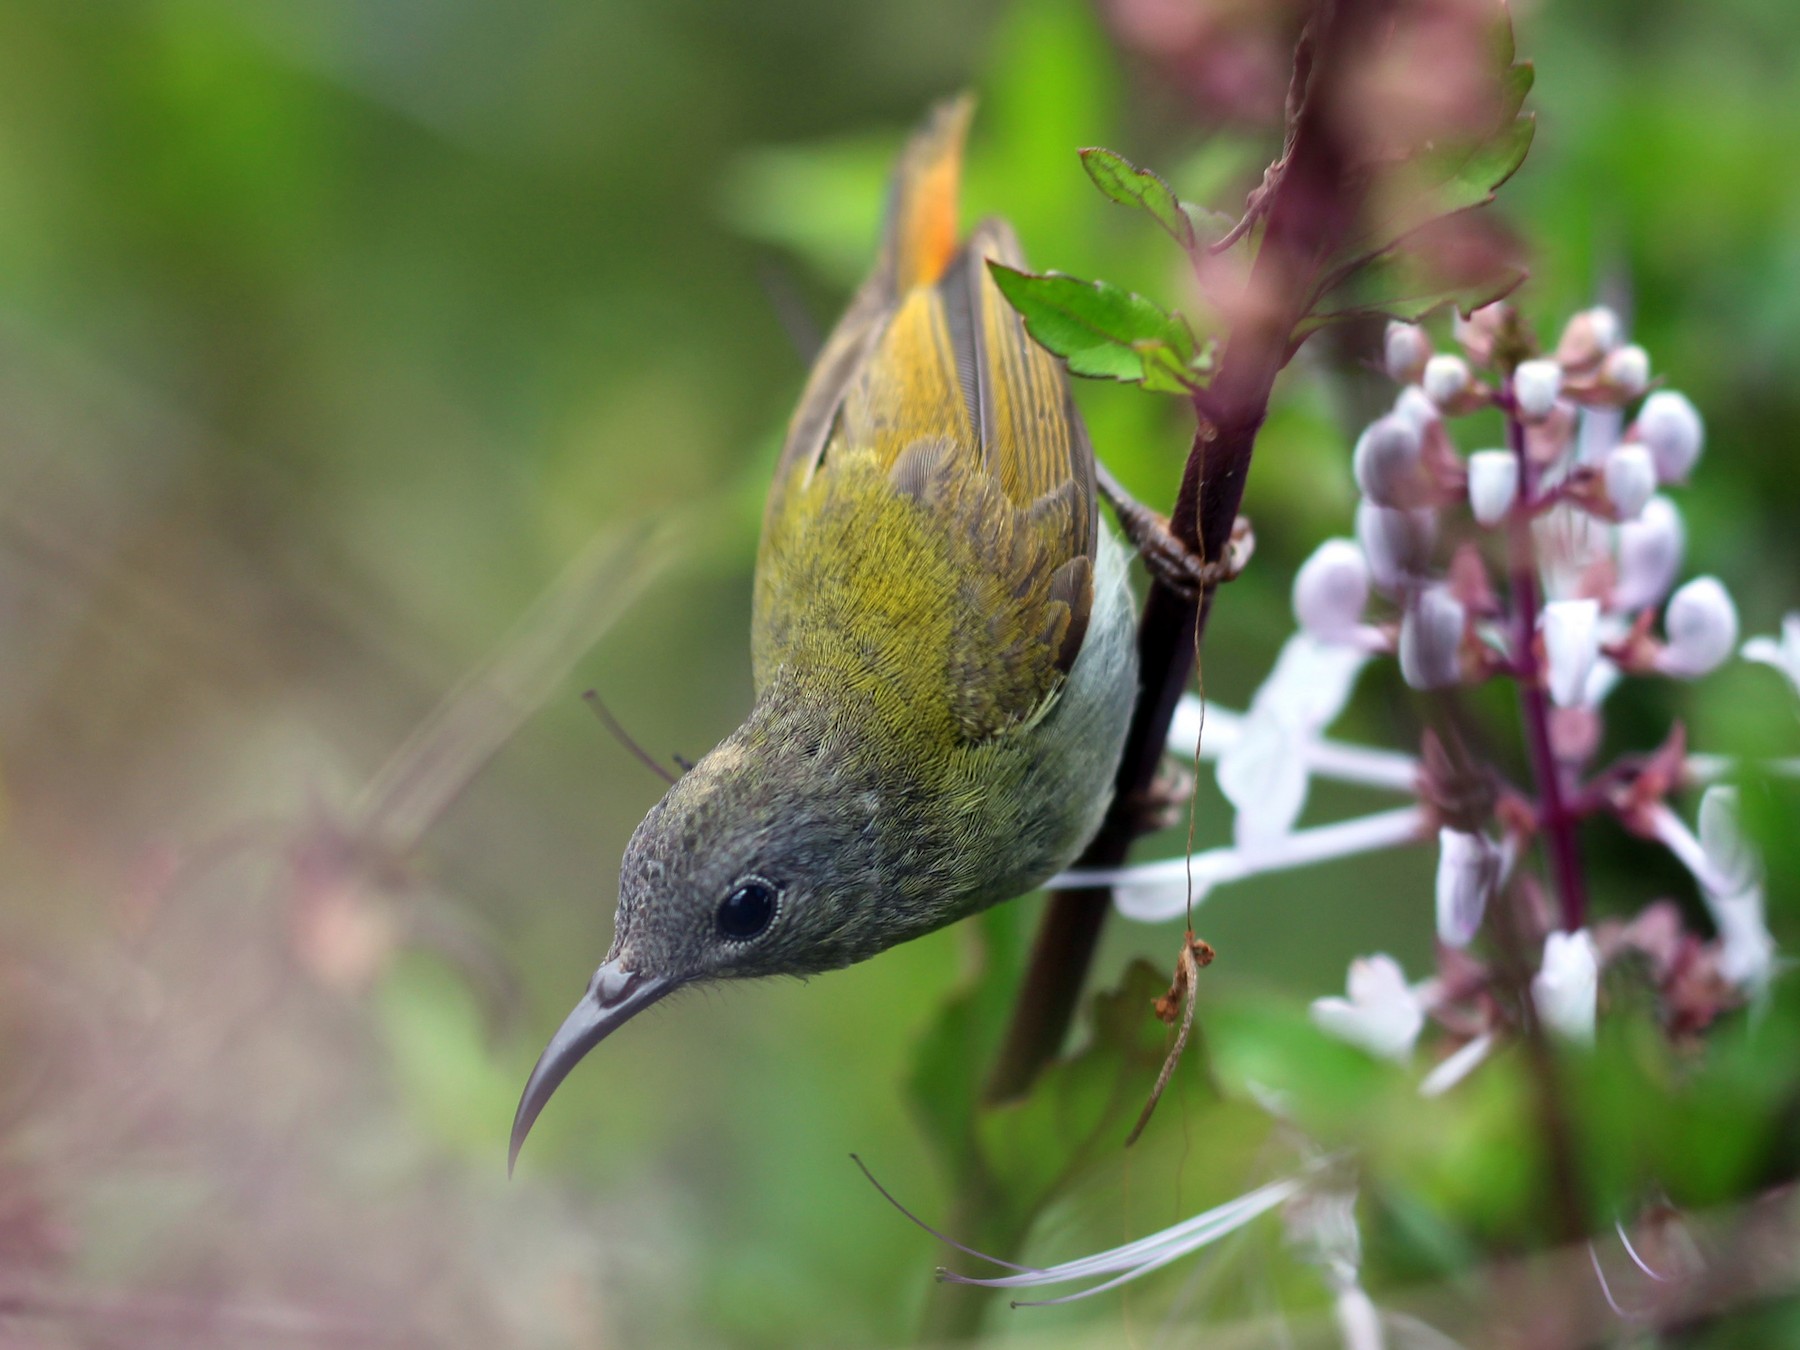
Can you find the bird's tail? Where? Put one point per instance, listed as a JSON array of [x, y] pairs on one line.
[[919, 237]]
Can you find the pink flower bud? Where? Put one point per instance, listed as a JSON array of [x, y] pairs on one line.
[[1535, 387], [1431, 634], [1670, 425], [1397, 543], [1468, 869], [1331, 589], [1649, 555], [1700, 628], [1588, 337], [1630, 479], [1493, 485], [1627, 370], [1445, 379], [1386, 462], [1405, 351], [1571, 644]]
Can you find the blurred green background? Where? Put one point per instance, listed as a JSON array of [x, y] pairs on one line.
[[331, 331]]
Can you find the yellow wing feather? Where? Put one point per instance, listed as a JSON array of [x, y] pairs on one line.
[[931, 531]]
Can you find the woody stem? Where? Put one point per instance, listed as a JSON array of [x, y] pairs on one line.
[[1312, 198]]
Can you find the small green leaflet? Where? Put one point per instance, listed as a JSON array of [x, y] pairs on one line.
[[1129, 185], [1105, 332]]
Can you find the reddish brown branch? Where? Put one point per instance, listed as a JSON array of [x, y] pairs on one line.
[[1306, 205]]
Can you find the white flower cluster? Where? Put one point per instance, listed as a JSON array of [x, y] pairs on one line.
[[1588, 552]]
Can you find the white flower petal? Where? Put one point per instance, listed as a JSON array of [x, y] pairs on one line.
[[1597, 432], [1783, 653], [1382, 1014], [1468, 869], [1731, 860], [1565, 990], [1456, 1067], [1746, 947], [1571, 644], [1264, 778], [1310, 683], [1701, 629], [1147, 1254]]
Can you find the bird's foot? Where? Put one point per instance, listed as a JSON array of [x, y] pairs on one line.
[[1168, 557], [1160, 805]]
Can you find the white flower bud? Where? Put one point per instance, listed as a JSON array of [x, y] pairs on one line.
[[1628, 370], [1493, 485], [1446, 377], [1604, 325], [1331, 590], [1535, 387], [1571, 644], [1649, 555], [1468, 870], [1630, 479], [1405, 351], [1670, 425], [1386, 462], [1397, 543], [1431, 634], [1700, 628], [1567, 988], [1415, 407]]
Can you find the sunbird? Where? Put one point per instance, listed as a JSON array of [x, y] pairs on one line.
[[942, 642]]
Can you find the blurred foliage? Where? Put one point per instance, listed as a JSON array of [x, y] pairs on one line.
[[330, 332]]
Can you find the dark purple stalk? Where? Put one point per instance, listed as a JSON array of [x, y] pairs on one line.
[[1555, 819], [1308, 203]]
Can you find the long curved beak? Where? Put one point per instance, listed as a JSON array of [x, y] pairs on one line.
[[614, 997]]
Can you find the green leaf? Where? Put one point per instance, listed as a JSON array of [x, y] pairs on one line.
[[1417, 276], [1515, 84], [1129, 185], [950, 1065], [1486, 167], [1105, 332], [1083, 1106], [1166, 373]]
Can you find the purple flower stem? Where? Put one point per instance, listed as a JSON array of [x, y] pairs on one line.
[[1555, 818]]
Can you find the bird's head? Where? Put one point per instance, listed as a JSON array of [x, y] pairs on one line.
[[760, 860]]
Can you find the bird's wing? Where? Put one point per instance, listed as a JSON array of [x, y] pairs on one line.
[[938, 399], [918, 238]]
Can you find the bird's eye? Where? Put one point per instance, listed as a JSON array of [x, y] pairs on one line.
[[748, 910]]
